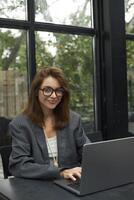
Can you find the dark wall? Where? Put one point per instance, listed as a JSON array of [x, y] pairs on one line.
[[5, 138]]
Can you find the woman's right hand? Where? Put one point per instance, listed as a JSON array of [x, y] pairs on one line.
[[73, 173]]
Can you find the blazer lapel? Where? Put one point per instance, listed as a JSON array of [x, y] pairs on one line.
[[61, 146], [39, 134]]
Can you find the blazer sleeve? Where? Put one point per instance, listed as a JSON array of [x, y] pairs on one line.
[[80, 138], [21, 162]]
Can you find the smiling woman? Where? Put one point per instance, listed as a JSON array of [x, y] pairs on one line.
[[47, 138], [50, 94], [39, 105]]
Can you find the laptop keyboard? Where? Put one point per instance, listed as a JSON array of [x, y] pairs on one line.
[[75, 184]]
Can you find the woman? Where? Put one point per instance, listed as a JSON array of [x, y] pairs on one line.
[[47, 138]]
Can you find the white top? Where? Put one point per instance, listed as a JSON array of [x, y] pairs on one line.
[[52, 147]]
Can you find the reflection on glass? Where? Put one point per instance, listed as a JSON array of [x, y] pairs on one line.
[[13, 73], [69, 12], [14, 9], [130, 81], [129, 15], [73, 53]]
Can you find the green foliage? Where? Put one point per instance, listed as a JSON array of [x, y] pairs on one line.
[[12, 51], [43, 56], [130, 54], [74, 54], [129, 5], [130, 74]]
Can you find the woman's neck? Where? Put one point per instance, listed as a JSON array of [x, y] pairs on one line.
[[48, 117], [47, 113], [48, 126]]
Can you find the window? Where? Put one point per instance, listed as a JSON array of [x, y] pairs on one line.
[[13, 9], [129, 20], [76, 13], [130, 78], [79, 36], [47, 37], [13, 71], [129, 15]]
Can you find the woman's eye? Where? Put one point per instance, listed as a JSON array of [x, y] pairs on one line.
[[61, 90], [47, 90]]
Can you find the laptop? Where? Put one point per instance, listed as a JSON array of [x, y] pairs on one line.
[[105, 165]]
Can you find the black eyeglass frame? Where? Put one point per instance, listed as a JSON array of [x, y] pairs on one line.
[[53, 90]]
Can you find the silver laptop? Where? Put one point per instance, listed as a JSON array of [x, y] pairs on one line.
[[105, 165]]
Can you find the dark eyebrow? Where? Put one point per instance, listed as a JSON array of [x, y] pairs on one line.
[[52, 87]]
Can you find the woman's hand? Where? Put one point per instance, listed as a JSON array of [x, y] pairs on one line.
[[73, 173]]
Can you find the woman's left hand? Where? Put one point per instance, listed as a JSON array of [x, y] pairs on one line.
[[73, 173]]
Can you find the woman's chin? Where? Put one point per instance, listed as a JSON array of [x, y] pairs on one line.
[[52, 106]]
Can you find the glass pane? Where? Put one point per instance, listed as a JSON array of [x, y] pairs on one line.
[[13, 72], [129, 15], [68, 12], [14, 9], [130, 79], [1, 169], [73, 53]]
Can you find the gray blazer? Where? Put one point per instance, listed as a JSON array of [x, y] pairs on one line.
[[29, 157]]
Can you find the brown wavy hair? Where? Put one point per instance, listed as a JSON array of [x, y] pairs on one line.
[[33, 109]]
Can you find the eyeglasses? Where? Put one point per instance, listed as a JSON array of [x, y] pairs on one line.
[[48, 91]]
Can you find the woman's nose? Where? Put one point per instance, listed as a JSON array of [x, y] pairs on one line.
[[53, 95]]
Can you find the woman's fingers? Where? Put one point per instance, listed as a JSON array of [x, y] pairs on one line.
[[78, 175], [72, 177], [73, 173]]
